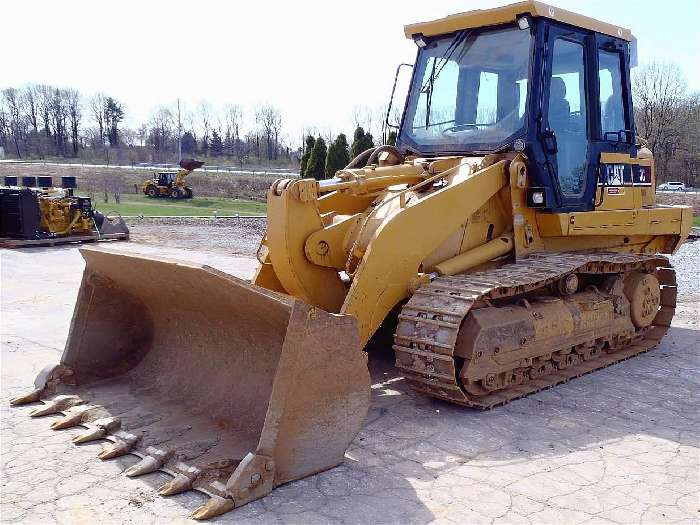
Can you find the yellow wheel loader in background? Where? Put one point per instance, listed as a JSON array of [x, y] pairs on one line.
[[510, 242], [172, 184]]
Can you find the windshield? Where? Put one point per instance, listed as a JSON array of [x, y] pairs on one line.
[[469, 91]]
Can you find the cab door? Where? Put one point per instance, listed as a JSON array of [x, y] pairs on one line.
[[613, 145], [568, 116]]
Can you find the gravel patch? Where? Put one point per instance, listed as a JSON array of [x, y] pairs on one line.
[[687, 264], [237, 236]]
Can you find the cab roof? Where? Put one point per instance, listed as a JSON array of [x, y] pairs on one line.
[[509, 13]]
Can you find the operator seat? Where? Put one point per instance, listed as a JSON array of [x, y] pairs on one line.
[[559, 109], [613, 118], [571, 155]]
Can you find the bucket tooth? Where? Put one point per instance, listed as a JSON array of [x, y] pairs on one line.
[[69, 421], [253, 478], [118, 448], [101, 428], [148, 464], [74, 417], [178, 484], [214, 507], [31, 397], [57, 404]]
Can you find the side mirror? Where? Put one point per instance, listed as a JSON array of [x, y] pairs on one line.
[[549, 140], [395, 116]]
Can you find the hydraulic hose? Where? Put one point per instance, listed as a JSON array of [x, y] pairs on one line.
[[374, 157], [361, 160], [371, 156]]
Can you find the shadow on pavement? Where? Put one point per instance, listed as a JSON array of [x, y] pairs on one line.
[[656, 394]]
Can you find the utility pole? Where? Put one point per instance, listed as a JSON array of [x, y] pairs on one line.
[[179, 133]]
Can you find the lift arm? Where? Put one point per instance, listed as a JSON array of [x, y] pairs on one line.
[[390, 266]]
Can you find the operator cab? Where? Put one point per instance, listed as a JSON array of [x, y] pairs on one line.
[[532, 78], [164, 178]]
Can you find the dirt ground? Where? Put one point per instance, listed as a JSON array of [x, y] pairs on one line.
[[681, 198], [237, 236], [618, 446]]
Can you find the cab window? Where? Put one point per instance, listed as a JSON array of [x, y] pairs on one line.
[[612, 109], [567, 115]]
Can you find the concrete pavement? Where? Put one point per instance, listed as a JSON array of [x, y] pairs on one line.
[[617, 446]]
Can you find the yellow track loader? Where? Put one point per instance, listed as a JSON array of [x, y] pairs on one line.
[[510, 241]]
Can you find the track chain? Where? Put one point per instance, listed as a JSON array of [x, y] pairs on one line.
[[429, 323]]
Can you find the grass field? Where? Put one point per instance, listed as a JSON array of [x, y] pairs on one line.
[[696, 221], [142, 205], [93, 179]]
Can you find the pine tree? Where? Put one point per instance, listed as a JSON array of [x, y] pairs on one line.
[[228, 144], [341, 143], [329, 168], [216, 146], [357, 140], [315, 166], [392, 138], [307, 152], [361, 142], [338, 156], [188, 143], [204, 147]]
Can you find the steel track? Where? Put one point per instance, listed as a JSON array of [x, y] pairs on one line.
[[429, 323]]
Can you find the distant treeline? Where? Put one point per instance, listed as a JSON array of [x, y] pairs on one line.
[[40, 121]]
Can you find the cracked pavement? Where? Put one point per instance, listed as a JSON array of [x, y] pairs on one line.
[[617, 446]]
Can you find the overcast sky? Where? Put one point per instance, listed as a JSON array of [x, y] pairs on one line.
[[313, 59]]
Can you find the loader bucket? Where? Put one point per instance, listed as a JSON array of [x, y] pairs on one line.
[[230, 388], [191, 164], [110, 224]]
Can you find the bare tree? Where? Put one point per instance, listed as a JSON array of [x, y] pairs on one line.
[[383, 129], [328, 135], [59, 117], [160, 133], [4, 127], [130, 137], [29, 97], [44, 107], [142, 134], [276, 130], [356, 116], [13, 103], [234, 121], [269, 118], [659, 91], [74, 116], [97, 106], [363, 116], [204, 114]]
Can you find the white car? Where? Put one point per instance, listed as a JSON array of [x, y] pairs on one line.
[[671, 186]]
